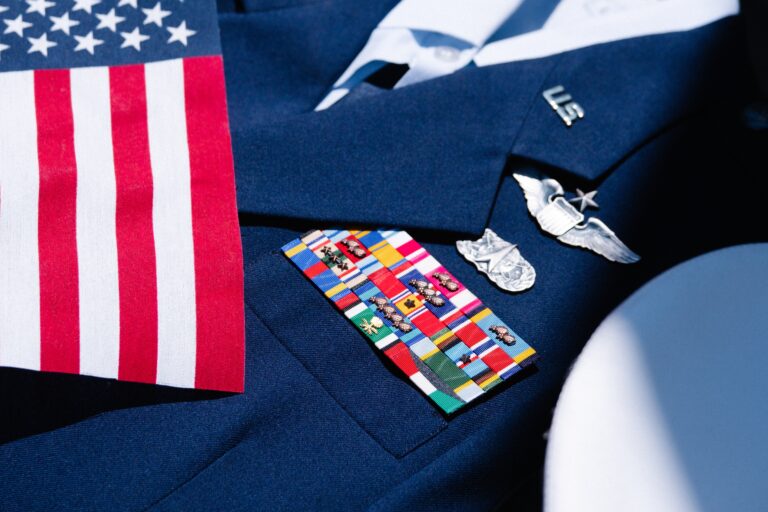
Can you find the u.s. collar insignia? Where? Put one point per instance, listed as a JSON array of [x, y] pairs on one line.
[[500, 260], [563, 105], [555, 215]]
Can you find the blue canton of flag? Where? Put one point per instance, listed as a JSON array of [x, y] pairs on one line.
[[71, 33]]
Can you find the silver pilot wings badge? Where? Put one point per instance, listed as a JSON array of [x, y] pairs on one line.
[[555, 215]]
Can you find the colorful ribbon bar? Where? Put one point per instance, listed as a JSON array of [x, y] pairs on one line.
[[421, 346], [397, 298], [418, 310], [503, 349], [448, 343]]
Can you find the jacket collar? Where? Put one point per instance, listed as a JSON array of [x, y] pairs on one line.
[[432, 155], [629, 91]]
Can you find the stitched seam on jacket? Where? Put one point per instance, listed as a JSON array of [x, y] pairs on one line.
[[508, 152], [532, 101], [243, 434], [236, 441], [406, 450], [239, 439]]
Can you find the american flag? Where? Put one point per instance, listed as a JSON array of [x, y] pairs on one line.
[[120, 251]]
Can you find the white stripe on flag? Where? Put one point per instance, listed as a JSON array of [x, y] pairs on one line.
[[172, 223], [19, 191], [96, 241]]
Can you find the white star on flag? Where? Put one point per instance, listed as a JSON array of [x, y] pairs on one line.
[[87, 43], [63, 23], [3, 47], [39, 6], [16, 26], [133, 39], [109, 20], [40, 44], [3, 8], [155, 15], [85, 5], [180, 33], [132, 3]]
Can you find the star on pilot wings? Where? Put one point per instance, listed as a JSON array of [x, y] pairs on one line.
[[555, 215]]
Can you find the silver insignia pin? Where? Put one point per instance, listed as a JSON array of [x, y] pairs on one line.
[[562, 103], [556, 216], [500, 260]]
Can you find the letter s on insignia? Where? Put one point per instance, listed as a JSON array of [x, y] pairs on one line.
[[562, 103]]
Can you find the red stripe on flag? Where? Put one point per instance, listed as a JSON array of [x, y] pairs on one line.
[[57, 225], [216, 232], [136, 265]]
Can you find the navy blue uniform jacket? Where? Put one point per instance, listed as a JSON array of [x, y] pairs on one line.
[[326, 423]]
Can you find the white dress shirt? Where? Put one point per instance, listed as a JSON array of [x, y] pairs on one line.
[[437, 37]]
